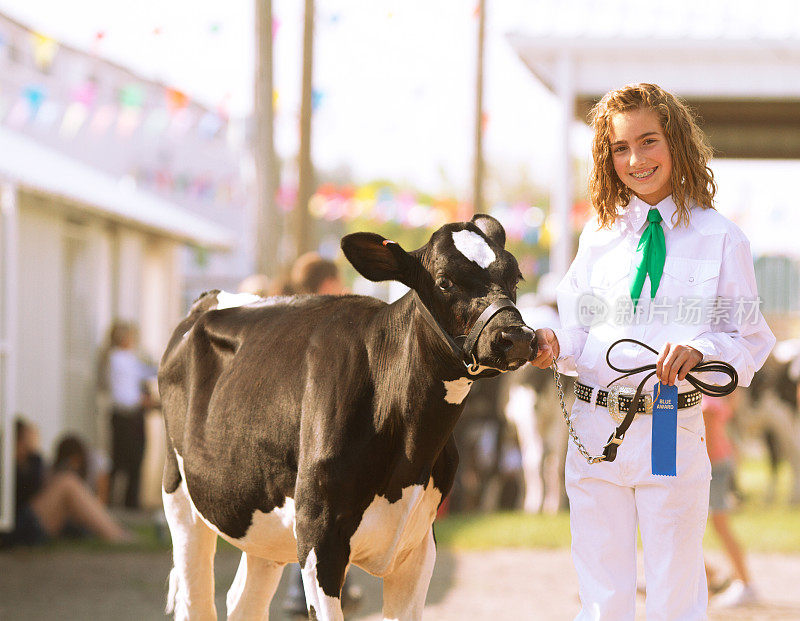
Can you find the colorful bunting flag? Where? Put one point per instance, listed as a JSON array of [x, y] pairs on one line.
[[73, 119], [44, 50], [127, 121], [176, 100], [131, 96], [103, 119], [316, 99], [85, 93], [34, 96]]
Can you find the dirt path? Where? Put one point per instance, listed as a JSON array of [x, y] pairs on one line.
[[495, 585]]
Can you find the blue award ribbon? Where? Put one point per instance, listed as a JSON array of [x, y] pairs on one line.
[[665, 430]]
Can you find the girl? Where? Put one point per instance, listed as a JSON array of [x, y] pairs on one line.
[[662, 266], [126, 377]]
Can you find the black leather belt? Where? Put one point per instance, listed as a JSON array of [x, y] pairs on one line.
[[584, 393]]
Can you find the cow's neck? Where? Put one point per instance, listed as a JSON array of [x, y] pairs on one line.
[[417, 411], [419, 342]]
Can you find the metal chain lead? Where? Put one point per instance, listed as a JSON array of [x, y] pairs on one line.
[[592, 459]]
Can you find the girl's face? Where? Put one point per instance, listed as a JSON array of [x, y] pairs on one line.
[[641, 154]]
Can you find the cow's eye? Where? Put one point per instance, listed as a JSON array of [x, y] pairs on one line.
[[444, 283]]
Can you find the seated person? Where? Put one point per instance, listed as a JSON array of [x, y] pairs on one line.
[[92, 466], [46, 503]]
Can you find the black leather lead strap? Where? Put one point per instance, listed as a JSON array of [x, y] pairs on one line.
[[463, 353], [611, 447], [431, 321]]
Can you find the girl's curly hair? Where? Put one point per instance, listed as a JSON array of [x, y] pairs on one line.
[[692, 179]]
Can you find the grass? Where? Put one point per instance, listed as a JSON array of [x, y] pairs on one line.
[[503, 530], [758, 526]]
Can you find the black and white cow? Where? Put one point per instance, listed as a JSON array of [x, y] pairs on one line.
[[319, 428]]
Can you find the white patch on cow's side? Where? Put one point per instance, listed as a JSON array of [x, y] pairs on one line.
[[232, 300], [455, 391], [474, 247], [270, 535], [389, 530], [325, 606]]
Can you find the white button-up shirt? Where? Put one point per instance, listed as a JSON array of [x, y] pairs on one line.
[[706, 299]]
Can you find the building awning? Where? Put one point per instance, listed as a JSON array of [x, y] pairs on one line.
[[43, 169], [736, 64]]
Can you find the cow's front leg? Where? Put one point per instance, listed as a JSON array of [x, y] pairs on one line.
[[404, 589], [323, 550], [323, 568]]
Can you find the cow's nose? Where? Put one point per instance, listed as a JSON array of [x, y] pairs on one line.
[[518, 343]]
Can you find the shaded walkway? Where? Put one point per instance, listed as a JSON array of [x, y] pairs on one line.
[[494, 585]]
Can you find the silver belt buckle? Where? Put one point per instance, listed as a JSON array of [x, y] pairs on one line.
[[627, 391]]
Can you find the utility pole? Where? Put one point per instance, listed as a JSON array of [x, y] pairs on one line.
[[302, 218], [478, 168], [268, 219]]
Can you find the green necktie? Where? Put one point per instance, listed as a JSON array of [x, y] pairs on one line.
[[651, 252]]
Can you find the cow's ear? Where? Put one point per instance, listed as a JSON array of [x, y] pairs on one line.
[[491, 228], [377, 258]]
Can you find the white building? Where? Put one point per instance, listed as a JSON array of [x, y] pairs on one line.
[[89, 233]]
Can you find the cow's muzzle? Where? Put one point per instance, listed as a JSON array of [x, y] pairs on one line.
[[518, 344]]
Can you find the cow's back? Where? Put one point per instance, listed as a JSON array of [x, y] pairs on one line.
[[232, 381]]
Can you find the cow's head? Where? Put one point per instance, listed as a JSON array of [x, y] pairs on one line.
[[459, 273]]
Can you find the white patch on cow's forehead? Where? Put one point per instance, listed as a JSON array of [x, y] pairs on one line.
[[231, 300], [474, 247], [455, 391]]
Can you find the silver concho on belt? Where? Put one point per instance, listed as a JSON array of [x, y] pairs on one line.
[[625, 391]]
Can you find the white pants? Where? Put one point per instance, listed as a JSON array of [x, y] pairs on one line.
[[607, 500]]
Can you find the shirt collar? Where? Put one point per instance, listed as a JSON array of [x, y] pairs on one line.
[[637, 212]]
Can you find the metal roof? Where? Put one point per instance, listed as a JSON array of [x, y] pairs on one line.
[[688, 21], [737, 63], [45, 170]]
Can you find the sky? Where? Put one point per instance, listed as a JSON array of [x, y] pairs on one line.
[[395, 77], [395, 83]]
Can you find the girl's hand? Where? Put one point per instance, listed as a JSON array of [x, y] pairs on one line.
[[548, 348], [675, 361]]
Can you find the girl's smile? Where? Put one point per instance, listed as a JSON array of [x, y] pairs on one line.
[[641, 154], [645, 174]]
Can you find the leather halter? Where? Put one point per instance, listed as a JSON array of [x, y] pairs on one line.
[[465, 351]]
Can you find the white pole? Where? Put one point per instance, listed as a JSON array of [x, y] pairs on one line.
[[8, 333], [562, 191]]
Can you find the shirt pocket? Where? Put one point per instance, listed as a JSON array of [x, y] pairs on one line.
[[690, 278], [609, 276]]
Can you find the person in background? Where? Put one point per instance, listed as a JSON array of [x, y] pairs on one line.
[[257, 284], [311, 273], [126, 376], [48, 504], [72, 455], [717, 412]]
